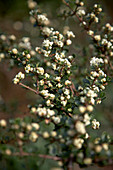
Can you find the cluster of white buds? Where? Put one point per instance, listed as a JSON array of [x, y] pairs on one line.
[[33, 136], [29, 68], [109, 27], [97, 37], [93, 16], [44, 112], [95, 124], [78, 142], [25, 43], [87, 119], [96, 61], [18, 77], [81, 12], [70, 34], [91, 94], [56, 119], [42, 19], [47, 31], [46, 94], [107, 43], [48, 44], [40, 70]]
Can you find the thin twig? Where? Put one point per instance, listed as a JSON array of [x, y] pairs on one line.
[[29, 88], [55, 158]]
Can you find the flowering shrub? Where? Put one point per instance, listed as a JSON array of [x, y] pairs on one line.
[[62, 117]]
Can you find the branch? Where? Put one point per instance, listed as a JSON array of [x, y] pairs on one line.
[[55, 158], [29, 88]]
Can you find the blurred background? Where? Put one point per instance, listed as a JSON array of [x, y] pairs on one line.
[[14, 19]]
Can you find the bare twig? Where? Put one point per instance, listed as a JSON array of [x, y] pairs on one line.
[[29, 88], [55, 158]]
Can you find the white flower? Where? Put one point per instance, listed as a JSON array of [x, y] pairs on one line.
[[42, 19], [18, 77], [96, 61], [68, 42], [80, 127], [91, 93], [3, 123], [90, 108], [59, 85], [95, 124], [41, 82], [90, 32], [45, 93], [15, 80], [94, 74], [97, 37], [58, 79], [96, 19], [67, 63], [64, 102], [47, 43], [45, 135], [40, 70], [66, 92], [67, 82], [52, 96], [49, 84], [81, 12], [68, 97], [50, 112], [14, 51], [102, 87], [54, 66], [104, 42], [62, 97], [2, 55], [82, 109], [33, 136], [3, 37], [28, 68], [48, 102], [12, 37], [87, 161], [92, 101], [78, 142], [56, 119], [42, 111], [47, 31], [70, 34], [103, 80], [47, 75], [35, 125], [86, 119]]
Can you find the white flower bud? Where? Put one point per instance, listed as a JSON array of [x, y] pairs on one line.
[[3, 123], [15, 51]]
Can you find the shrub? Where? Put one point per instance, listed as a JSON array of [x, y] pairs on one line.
[[58, 128]]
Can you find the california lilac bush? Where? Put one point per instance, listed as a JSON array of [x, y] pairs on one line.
[[64, 113]]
